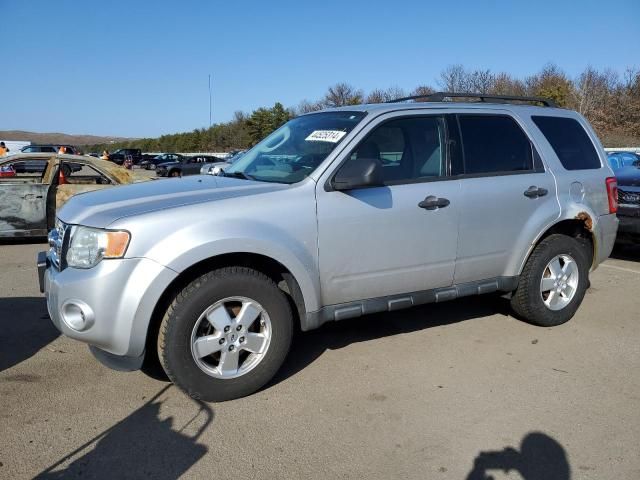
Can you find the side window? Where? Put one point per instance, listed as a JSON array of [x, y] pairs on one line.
[[409, 149], [79, 174], [23, 171], [570, 142], [494, 143]]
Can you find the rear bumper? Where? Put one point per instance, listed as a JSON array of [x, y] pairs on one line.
[[605, 231]]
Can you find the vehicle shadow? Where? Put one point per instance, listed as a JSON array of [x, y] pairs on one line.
[[629, 252], [25, 328], [308, 346], [540, 458], [22, 241], [140, 446]]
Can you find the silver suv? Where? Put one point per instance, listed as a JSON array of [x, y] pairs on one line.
[[336, 214]]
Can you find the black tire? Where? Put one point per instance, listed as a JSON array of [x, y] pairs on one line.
[[174, 173], [527, 301], [174, 338]]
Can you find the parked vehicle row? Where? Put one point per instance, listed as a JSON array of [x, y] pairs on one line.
[[185, 165], [336, 214]]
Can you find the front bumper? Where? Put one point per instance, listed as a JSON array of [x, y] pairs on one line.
[[116, 297], [629, 218]]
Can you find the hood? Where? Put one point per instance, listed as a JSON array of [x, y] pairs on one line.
[[628, 176], [103, 207], [168, 164]]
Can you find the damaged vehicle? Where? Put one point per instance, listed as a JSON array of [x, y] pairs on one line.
[[34, 185], [337, 214]]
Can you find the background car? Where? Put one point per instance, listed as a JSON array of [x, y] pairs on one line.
[[628, 176], [40, 149], [216, 167], [190, 165], [30, 196], [619, 160], [153, 162], [122, 154]]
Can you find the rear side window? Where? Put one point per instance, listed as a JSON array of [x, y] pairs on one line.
[[494, 143], [570, 142]]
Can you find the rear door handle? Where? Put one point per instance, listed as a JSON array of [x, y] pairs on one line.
[[31, 196], [433, 203], [535, 192]]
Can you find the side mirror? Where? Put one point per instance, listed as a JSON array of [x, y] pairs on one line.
[[358, 173]]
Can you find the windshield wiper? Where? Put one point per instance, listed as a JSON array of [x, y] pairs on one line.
[[244, 176]]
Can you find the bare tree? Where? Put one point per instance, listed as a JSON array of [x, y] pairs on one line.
[[480, 81], [592, 89], [505, 84], [381, 96], [422, 90], [305, 106], [342, 94], [453, 79]]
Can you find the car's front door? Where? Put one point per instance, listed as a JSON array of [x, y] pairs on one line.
[[23, 199], [508, 196], [386, 240], [191, 166]]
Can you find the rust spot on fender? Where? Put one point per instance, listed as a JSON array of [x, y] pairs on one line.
[[586, 218]]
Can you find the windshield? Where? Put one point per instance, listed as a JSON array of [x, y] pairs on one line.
[[624, 159], [296, 149]]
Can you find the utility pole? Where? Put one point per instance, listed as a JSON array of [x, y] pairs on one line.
[[210, 131], [209, 100]]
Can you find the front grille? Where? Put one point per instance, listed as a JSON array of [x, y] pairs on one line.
[[628, 198], [57, 244]]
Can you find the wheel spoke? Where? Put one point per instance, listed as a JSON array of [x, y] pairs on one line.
[[254, 342], [548, 284], [568, 291], [555, 268], [229, 362], [207, 345], [553, 298], [219, 318], [569, 268], [248, 314]]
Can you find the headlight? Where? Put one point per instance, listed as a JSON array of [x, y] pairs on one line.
[[89, 246]]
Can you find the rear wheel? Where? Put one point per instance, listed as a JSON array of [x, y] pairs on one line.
[[553, 281], [226, 334], [174, 173]]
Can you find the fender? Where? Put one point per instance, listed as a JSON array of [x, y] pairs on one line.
[[244, 236], [572, 211]]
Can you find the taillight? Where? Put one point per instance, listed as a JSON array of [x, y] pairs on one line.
[[612, 194]]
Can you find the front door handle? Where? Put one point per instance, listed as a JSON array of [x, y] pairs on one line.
[[535, 192], [433, 203]]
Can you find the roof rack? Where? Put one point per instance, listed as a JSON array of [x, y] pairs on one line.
[[440, 96]]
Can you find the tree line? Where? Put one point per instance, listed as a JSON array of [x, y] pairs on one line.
[[609, 100]]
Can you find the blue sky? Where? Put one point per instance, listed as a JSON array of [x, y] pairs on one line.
[[139, 68]]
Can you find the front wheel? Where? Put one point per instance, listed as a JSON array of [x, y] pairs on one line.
[[553, 281], [226, 334]]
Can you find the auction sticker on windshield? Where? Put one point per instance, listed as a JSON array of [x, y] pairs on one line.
[[332, 136]]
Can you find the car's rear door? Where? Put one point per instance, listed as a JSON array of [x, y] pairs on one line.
[[380, 241], [508, 194]]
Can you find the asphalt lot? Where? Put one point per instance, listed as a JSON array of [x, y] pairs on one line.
[[412, 394]]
